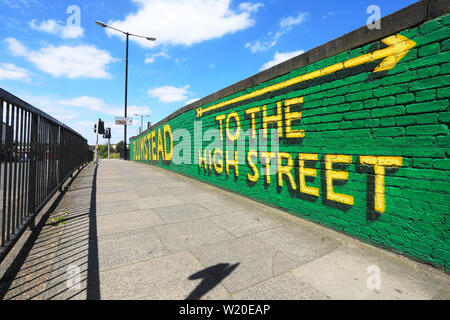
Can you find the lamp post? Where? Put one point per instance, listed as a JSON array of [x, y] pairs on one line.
[[127, 34], [141, 128]]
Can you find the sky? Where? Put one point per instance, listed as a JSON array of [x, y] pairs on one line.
[[56, 58]]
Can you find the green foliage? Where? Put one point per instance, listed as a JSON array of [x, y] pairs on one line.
[[103, 151], [120, 146]]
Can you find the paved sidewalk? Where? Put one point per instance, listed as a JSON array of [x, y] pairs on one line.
[[132, 231]]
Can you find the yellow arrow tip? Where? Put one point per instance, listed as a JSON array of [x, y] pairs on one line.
[[400, 46]]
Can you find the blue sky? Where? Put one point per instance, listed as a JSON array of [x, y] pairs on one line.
[[63, 63]]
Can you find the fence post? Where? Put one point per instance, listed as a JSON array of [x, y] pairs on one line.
[[32, 176]]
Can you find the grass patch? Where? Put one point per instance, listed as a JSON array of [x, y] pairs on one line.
[[58, 221]]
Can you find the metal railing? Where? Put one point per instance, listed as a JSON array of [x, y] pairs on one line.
[[38, 153]]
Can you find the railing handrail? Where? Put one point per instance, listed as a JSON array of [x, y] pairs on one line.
[[38, 154], [9, 97]]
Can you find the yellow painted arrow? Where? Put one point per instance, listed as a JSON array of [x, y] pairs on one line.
[[398, 47]]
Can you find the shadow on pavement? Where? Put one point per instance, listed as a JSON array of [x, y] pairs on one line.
[[211, 276], [60, 259]]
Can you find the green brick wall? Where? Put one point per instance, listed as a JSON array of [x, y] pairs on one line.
[[401, 113]]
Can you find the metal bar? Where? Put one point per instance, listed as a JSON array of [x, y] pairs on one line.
[[33, 164], [9, 143], [2, 240], [15, 149]]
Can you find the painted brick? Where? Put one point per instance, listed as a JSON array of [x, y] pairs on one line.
[[429, 49], [443, 92], [425, 95], [426, 118], [445, 67], [429, 27], [428, 72], [405, 98], [388, 132], [387, 112], [433, 106], [426, 130], [444, 117]]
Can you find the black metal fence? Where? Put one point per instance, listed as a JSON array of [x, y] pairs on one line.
[[38, 153]]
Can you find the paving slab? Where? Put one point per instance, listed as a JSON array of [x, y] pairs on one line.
[[116, 196], [243, 223], [188, 234], [155, 202], [226, 205], [301, 245], [345, 273], [128, 247], [127, 221], [257, 261], [183, 212], [282, 287], [162, 278], [112, 207]]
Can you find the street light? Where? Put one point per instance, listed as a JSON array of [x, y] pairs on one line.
[[101, 24], [141, 128]]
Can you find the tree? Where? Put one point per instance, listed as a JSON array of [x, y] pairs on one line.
[[120, 146], [103, 151]]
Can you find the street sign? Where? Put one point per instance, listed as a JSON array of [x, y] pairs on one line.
[[124, 121]]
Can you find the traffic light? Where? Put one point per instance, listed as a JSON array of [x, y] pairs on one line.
[[101, 126], [107, 134], [95, 128]]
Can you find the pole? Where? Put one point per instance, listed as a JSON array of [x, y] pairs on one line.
[[96, 146], [142, 125], [108, 147], [126, 93]]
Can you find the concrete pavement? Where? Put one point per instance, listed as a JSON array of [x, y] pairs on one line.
[[131, 231]]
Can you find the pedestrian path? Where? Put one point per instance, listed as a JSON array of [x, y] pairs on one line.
[[125, 230]]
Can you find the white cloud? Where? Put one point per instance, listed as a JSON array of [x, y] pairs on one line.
[[16, 4], [80, 113], [83, 61], [169, 94], [15, 47], [182, 22], [262, 45], [52, 106], [54, 27], [98, 105], [280, 57], [250, 7], [9, 71], [72, 62], [287, 23], [271, 39], [330, 14], [151, 58], [91, 103]]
